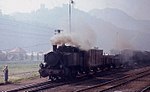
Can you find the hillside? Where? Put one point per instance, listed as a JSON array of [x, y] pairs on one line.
[[118, 30]]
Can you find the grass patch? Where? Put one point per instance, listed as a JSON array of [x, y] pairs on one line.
[[19, 78], [19, 71]]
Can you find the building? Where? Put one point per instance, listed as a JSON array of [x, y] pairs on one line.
[[16, 54]]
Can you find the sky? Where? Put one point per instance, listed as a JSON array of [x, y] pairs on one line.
[[139, 9]]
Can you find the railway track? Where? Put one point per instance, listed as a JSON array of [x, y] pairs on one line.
[[38, 86], [50, 84], [146, 89], [47, 86], [103, 77], [115, 82], [133, 86], [27, 87], [44, 85]]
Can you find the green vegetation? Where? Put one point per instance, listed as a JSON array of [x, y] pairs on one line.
[[20, 70]]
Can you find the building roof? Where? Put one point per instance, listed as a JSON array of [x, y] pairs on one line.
[[17, 50]]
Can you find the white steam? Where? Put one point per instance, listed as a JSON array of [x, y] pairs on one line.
[[84, 39]]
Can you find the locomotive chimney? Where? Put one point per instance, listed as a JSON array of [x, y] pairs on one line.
[[54, 47]]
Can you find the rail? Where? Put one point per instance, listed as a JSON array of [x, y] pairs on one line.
[[116, 82], [145, 89]]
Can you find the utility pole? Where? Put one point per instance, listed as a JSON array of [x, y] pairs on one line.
[[70, 5], [117, 41]]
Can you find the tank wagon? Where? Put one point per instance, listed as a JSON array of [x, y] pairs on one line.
[[69, 62]]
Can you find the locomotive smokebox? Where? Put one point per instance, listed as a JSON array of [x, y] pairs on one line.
[[54, 47]]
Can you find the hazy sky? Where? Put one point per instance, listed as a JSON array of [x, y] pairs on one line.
[[139, 9]]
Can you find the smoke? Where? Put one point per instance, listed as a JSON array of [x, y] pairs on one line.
[[127, 55], [85, 39], [81, 34], [124, 43]]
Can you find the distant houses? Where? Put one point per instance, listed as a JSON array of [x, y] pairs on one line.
[[16, 54], [19, 54]]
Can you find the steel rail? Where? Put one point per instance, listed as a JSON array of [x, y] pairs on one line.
[[27, 86], [136, 75], [145, 89]]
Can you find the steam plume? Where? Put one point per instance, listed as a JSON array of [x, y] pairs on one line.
[[84, 39]]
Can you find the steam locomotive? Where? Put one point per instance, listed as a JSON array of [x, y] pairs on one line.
[[70, 62]]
